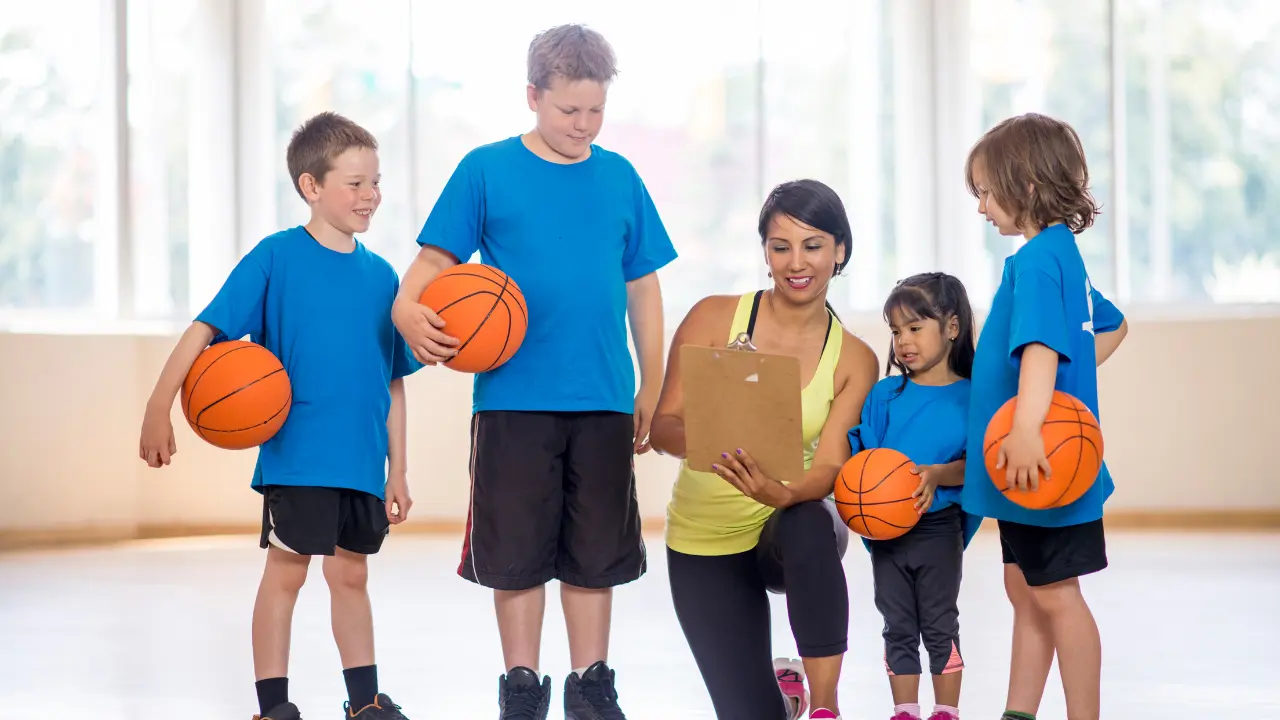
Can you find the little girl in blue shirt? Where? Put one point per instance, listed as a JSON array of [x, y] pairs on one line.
[[922, 412]]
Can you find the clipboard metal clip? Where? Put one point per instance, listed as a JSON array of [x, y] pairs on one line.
[[742, 342]]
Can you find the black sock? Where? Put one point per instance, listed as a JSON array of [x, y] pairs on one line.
[[272, 692], [362, 686]]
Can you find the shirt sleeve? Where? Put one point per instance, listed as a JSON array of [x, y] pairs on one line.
[[869, 433], [1106, 316], [456, 220], [238, 308], [649, 248], [1039, 314]]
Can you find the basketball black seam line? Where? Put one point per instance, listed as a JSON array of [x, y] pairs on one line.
[[877, 519], [489, 312], [287, 402], [233, 392], [875, 504], [192, 393], [506, 340], [1081, 423], [505, 282], [504, 286]]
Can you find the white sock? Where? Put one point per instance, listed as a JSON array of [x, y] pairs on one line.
[[947, 709], [580, 671], [912, 709]]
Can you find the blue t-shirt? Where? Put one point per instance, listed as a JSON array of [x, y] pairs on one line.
[[327, 316], [924, 422], [572, 237], [1045, 297]]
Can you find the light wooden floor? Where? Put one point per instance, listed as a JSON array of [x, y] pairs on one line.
[[1190, 623]]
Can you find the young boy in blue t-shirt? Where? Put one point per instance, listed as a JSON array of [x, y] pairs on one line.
[[555, 429], [1048, 329], [333, 479]]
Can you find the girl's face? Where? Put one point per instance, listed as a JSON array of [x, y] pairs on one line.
[[989, 208], [921, 344]]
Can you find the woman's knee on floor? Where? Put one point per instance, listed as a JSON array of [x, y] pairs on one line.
[[346, 571]]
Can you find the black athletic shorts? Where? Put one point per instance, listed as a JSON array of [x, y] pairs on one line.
[[1047, 555], [553, 496], [315, 520]]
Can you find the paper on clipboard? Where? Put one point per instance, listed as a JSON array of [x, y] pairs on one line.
[[742, 399]]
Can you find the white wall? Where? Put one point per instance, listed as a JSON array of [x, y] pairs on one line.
[[1188, 428]]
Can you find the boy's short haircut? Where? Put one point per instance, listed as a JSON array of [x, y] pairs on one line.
[[1037, 171], [318, 141], [573, 52]]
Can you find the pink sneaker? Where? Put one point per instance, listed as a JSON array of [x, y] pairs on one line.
[[823, 714], [943, 715], [790, 674], [905, 716]]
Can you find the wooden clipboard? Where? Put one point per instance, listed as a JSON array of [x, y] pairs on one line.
[[742, 399]]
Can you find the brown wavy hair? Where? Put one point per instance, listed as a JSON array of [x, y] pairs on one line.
[[1036, 167]]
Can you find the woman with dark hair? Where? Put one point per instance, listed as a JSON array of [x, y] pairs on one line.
[[734, 534]]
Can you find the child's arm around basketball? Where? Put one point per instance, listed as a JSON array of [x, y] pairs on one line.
[[236, 311], [157, 445], [450, 235]]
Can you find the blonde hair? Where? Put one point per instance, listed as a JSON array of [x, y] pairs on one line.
[[324, 137], [573, 52], [1036, 167]]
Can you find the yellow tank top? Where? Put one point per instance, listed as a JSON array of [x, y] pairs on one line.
[[708, 516]]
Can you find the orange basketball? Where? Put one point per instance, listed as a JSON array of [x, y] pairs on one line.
[[1072, 443], [236, 395], [484, 309], [873, 494]]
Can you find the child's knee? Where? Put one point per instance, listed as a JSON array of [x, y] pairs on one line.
[[286, 572], [346, 571], [1057, 598], [1017, 590]]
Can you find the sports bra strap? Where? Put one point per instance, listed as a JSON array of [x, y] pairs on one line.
[[755, 310]]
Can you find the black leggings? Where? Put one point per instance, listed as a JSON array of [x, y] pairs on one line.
[[723, 607]]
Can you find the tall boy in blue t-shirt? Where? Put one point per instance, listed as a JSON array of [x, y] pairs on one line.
[[1047, 329], [333, 479], [555, 429]]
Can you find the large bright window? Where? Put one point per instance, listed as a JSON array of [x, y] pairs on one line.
[[142, 142], [162, 130], [1202, 117], [57, 222]]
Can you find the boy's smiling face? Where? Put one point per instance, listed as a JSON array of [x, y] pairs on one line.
[[350, 192]]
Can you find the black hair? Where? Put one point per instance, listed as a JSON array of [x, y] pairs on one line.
[[814, 204], [937, 296]]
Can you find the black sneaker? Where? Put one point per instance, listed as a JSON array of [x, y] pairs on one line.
[[380, 709], [283, 711], [520, 697], [592, 696]]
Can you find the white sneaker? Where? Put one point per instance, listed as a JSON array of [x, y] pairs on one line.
[[791, 682]]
